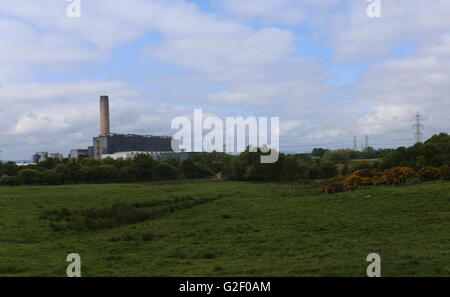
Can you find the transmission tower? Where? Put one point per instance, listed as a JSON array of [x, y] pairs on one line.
[[1, 156], [418, 127], [355, 144], [367, 143]]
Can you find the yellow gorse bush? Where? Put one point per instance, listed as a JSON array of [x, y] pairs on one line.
[[430, 173], [367, 177]]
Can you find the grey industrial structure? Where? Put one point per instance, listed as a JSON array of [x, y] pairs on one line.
[[78, 154], [42, 156], [113, 145]]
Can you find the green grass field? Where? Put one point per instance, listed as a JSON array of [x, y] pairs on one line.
[[250, 229]]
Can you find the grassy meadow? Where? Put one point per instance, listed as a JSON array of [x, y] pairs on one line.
[[206, 228]]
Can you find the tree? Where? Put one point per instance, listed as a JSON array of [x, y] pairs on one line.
[[318, 152], [145, 167], [51, 177], [90, 174], [329, 169], [6, 180], [108, 173], [10, 169], [290, 171], [166, 171], [64, 173], [338, 155], [74, 169], [29, 176], [127, 173], [49, 163]]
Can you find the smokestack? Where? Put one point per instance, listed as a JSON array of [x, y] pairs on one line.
[[104, 115]]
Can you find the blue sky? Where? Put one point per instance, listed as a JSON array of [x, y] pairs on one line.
[[324, 67]]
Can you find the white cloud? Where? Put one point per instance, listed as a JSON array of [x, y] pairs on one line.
[[291, 12], [355, 36], [241, 60]]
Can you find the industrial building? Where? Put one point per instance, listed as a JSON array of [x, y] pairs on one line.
[[155, 155], [39, 157], [42, 156], [78, 154], [113, 145]]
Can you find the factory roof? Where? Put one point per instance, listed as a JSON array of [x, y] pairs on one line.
[[135, 135]]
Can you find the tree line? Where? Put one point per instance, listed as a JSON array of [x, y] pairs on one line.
[[243, 167], [141, 168]]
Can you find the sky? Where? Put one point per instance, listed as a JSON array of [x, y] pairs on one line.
[[324, 67]]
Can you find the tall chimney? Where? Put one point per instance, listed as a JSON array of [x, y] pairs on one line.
[[104, 115]]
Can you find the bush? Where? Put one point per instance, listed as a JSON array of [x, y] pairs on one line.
[[345, 170], [127, 174], [367, 173], [9, 180], [360, 166], [329, 169], [354, 182], [90, 174], [398, 175], [29, 176], [445, 172], [195, 169], [166, 171], [51, 177], [429, 173], [332, 186], [108, 173]]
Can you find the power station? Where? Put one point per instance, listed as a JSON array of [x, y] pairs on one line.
[[126, 146], [113, 145]]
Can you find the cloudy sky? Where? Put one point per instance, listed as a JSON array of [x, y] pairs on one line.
[[323, 66]]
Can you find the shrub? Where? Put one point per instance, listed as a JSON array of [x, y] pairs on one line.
[[445, 172], [127, 174], [359, 166], [354, 182], [332, 186], [367, 173], [166, 171], [398, 175], [329, 169], [429, 173], [345, 170], [108, 173], [9, 180], [51, 177], [29, 176]]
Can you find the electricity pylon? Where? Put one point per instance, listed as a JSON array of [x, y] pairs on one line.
[[418, 127]]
